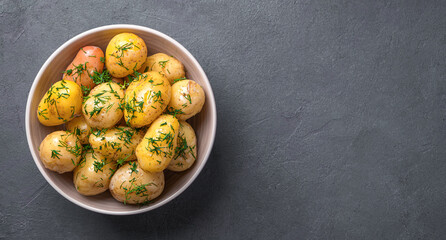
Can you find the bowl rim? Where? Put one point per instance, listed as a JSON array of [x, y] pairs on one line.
[[124, 27]]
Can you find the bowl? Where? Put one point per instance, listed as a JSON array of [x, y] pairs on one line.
[[204, 123]]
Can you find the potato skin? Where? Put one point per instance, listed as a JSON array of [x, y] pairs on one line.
[[186, 150], [117, 143], [60, 151], [146, 98], [80, 128], [92, 174], [86, 62], [125, 53], [157, 148], [169, 66], [118, 80], [187, 99], [61, 103], [132, 185], [102, 107]]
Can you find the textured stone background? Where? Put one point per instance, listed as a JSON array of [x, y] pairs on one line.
[[331, 119]]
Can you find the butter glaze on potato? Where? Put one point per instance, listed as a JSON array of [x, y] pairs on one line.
[[88, 60], [117, 143], [102, 108], [157, 149], [61, 103], [93, 173], [132, 185], [125, 54], [167, 65], [187, 99], [146, 98], [80, 128], [186, 150], [60, 151]]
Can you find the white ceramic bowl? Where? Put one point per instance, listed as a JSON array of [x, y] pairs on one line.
[[204, 123]]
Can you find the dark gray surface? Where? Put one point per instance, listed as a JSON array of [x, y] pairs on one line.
[[331, 120]]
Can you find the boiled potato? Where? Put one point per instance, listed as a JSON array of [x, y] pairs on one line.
[[125, 54], [186, 150], [60, 151], [61, 103], [102, 107], [164, 64], [157, 149], [117, 143], [119, 81], [187, 99], [146, 98], [132, 185], [93, 173], [88, 60], [80, 128]]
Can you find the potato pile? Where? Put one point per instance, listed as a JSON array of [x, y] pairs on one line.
[[125, 118]]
